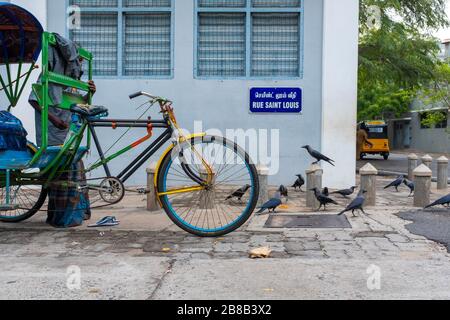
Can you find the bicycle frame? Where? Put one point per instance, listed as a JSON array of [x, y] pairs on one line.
[[143, 157]]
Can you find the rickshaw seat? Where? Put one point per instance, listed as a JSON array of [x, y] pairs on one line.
[[88, 111], [16, 160]]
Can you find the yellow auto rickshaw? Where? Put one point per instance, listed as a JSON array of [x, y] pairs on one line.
[[378, 136]]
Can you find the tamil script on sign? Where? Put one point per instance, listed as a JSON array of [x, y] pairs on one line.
[[283, 100]]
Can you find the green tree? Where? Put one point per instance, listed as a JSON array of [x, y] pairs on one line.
[[399, 56]]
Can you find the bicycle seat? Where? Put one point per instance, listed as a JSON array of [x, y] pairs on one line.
[[89, 111]]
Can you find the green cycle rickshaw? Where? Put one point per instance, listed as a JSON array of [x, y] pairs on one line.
[[194, 177]]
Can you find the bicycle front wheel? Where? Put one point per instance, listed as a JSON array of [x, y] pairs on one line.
[[225, 203]]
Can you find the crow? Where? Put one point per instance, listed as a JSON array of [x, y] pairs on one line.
[[318, 156], [239, 193], [345, 192], [410, 185], [323, 199], [441, 202], [284, 192], [299, 183], [272, 204], [396, 183], [356, 204], [326, 192]]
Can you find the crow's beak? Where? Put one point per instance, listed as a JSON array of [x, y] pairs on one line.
[[304, 147]]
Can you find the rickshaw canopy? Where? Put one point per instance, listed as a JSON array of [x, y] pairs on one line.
[[20, 35], [20, 43]]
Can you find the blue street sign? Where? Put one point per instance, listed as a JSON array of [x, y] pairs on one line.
[[276, 100]]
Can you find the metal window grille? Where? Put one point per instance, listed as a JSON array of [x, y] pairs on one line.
[[222, 3], [257, 38], [95, 3], [147, 3], [276, 3], [275, 44], [98, 34], [221, 44], [125, 41], [147, 47]]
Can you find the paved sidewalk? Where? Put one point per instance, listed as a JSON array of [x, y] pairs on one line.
[[148, 258]]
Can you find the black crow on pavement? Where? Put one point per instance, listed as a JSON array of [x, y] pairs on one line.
[[441, 202], [356, 204], [396, 183], [299, 183], [345, 192], [410, 185], [239, 193], [284, 192], [272, 204], [323, 199]]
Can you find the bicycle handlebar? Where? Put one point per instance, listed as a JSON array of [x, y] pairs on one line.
[[142, 93], [135, 95]]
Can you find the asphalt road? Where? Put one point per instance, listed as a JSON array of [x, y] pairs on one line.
[[432, 224], [396, 163]]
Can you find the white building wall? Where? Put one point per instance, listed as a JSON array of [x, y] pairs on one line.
[[339, 104]]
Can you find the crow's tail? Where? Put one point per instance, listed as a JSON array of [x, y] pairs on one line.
[[330, 162], [341, 213], [430, 205], [261, 210]]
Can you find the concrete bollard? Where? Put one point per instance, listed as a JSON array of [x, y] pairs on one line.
[[263, 176], [413, 162], [152, 198], [422, 182], [442, 173], [369, 183], [427, 160], [313, 180]]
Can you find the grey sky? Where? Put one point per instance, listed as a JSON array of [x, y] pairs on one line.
[[445, 33]]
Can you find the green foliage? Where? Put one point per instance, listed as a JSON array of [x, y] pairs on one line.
[[438, 91], [380, 102], [432, 118], [400, 58], [424, 15]]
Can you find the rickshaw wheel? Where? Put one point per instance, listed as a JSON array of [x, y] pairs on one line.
[[30, 199]]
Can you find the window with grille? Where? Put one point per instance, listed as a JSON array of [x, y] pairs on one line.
[[249, 38], [131, 38]]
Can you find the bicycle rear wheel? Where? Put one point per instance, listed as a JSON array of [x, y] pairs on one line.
[[219, 208]]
